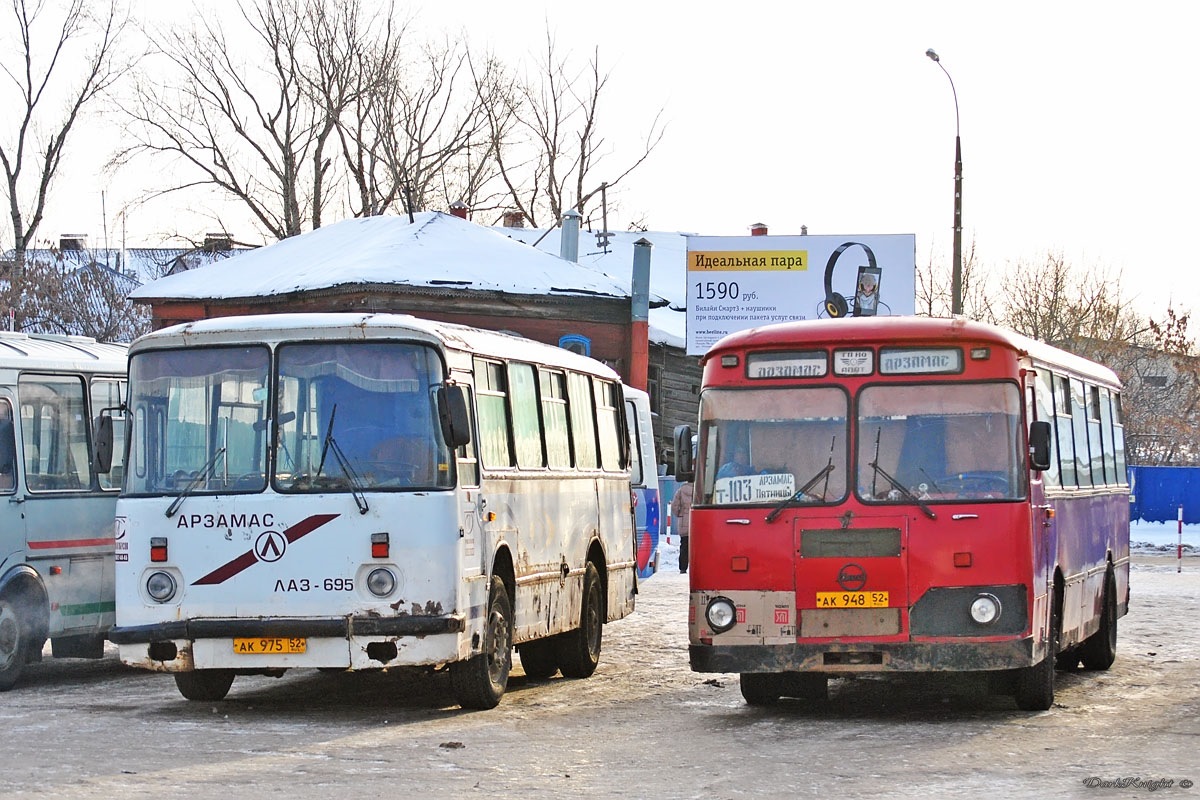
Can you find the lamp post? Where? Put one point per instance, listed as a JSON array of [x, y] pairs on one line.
[[956, 275]]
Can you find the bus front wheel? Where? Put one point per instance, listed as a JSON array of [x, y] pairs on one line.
[[480, 681], [15, 641], [204, 685], [579, 650], [761, 688], [1035, 685]]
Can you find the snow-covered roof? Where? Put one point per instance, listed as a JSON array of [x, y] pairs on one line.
[[668, 270], [436, 250]]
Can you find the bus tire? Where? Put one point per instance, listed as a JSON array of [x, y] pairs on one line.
[[16, 640], [204, 685], [806, 685], [1035, 685], [479, 682], [579, 650], [761, 688], [1099, 650], [539, 659]]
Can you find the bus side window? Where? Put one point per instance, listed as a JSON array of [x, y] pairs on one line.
[[8, 449]]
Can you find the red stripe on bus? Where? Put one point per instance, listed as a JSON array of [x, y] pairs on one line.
[[249, 559], [50, 545]]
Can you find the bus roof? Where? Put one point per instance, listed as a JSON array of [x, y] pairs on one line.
[[334, 325], [907, 330], [58, 351]]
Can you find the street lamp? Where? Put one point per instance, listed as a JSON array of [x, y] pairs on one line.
[[956, 276]]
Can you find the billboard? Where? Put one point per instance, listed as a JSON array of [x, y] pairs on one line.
[[740, 282]]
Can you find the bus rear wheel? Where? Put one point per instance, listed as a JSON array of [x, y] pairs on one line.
[[15, 641], [539, 658], [579, 650], [480, 681], [204, 685], [1099, 650]]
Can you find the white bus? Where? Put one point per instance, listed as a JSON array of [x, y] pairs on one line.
[[357, 491], [56, 500]]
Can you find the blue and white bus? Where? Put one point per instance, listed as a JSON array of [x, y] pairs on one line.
[[643, 474], [57, 501]]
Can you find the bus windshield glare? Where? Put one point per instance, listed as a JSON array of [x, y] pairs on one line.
[[939, 442], [763, 446]]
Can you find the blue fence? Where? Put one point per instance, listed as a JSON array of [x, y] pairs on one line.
[[1156, 493]]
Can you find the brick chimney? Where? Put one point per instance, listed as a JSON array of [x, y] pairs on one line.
[[514, 219], [758, 229], [72, 241], [218, 242], [458, 209]]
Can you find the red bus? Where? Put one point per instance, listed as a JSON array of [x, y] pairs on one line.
[[904, 494]]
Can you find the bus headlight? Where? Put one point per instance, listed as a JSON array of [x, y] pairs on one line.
[[985, 609], [160, 586], [381, 582], [720, 614]]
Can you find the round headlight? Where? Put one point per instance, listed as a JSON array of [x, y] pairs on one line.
[[381, 582], [985, 609], [160, 586], [721, 614]]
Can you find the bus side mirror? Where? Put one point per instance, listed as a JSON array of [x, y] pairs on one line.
[[685, 470], [1039, 445], [104, 443], [452, 411]]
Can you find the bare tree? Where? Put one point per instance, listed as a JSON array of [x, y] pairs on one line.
[[78, 296], [1162, 395], [410, 141], [244, 119], [553, 164], [1080, 310], [934, 295], [41, 72]]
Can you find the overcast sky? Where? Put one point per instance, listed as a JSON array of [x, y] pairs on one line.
[[1078, 122]]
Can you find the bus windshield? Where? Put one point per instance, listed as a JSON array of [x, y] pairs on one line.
[[939, 442], [350, 417], [199, 421], [359, 416], [765, 446]]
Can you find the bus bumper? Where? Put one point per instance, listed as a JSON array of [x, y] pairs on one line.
[[321, 627], [345, 643], [862, 657]]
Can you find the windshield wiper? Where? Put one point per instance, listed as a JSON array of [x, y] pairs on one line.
[[194, 483], [903, 490], [823, 472], [801, 492], [325, 442], [895, 484], [330, 445]]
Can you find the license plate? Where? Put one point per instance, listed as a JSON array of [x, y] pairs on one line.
[[852, 599], [269, 646]]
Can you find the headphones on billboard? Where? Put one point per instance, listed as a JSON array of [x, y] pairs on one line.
[[836, 305]]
